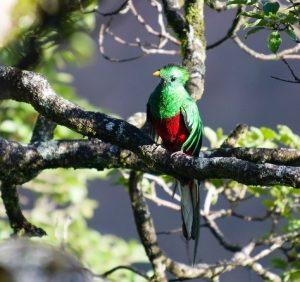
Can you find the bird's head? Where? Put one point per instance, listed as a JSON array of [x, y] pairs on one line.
[[173, 74]]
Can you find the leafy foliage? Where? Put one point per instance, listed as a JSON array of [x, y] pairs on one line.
[[62, 205], [282, 200], [273, 16], [61, 202]]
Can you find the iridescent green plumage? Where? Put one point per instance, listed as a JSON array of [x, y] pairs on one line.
[[174, 116], [171, 98]]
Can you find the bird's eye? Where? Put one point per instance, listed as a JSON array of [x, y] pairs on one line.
[[173, 78]]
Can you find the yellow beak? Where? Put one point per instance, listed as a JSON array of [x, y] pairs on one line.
[[156, 73]]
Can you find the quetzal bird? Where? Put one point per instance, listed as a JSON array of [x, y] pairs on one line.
[[174, 117]]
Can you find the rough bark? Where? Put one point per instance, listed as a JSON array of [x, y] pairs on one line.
[[24, 86]]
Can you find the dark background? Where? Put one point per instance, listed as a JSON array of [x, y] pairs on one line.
[[238, 89]]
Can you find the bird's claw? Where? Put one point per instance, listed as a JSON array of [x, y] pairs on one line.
[[175, 154]]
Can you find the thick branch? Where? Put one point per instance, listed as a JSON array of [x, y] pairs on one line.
[[287, 157], [28, 87], [22, 163], [194, 46], [18, 222], [175, 20], [146, 229], [25, 162], [190, 31]]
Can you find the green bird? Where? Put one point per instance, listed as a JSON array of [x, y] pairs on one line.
[[174, 117]]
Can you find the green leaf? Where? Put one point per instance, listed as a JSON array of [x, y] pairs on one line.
[[8, 126], [253, 30], [220, 134], [292, 276], [236, 2], [268, 133], [251, 2], [82, 45], [287, 137], [268, 203], [294, 224], [271, 8], [241, 2], [291, 34], [253, 15], [290, 18], [210, 135], [274, 41], [279, 263], [251, 24], [257, 191]]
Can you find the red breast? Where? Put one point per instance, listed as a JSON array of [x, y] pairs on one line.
[[172, 131]]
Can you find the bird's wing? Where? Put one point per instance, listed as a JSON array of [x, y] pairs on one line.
[[150, 126], [194, 125], [190, 202]]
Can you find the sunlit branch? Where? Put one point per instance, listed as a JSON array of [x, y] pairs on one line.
[[162, 263], [290, 53]]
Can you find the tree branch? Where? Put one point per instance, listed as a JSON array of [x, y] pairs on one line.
[[296, 78], [116, 11], [232, 30], [219, 6], [120, 267], [219, 235], [281, 156], [181, 271], [194, 46], [174, 18], [24, 162], [19, 224], [43, 130], [146, 229], [29, 87], [234, 136], [285, 54]]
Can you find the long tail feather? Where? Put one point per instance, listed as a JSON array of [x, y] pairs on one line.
[[190, 212]]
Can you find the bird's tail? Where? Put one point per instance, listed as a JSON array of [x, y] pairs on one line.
[[190, 212]]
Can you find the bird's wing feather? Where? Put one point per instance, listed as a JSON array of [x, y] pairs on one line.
[[150, 126], [190, 202], [194, 125]]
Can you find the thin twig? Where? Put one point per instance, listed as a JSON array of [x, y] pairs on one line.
[[251, 218], [169, 232], [211, 224], [233, 28], [117, 11], [296, 78], [290, 53], [120, 267]]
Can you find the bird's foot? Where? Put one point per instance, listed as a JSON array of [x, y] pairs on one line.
[[176, 154]]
